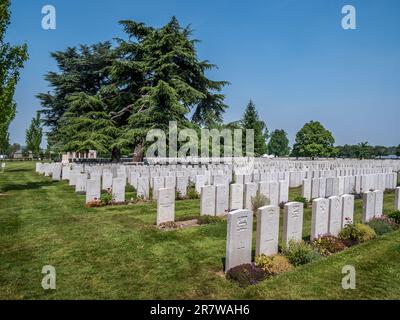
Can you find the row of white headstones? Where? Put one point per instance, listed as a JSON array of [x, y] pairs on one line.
[[329, 216], [333, 186]]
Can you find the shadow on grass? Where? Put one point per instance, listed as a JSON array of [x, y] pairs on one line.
[[8, 170], [26, 186]]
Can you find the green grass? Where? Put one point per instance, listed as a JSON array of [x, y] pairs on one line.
[[116, 253]]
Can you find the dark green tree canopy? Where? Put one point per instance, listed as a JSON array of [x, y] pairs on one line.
[[12, 59], [279, 143], [313, 140], [109, 98], [251, 120], [83, 73]]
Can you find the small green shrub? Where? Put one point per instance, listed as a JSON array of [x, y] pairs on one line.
[[356, 233], [300, 252], [192, 193], [328, 244], [302, 200], [395, 216], [258, 201], [106, 198], [273, 265], [246, 274], [383, 225], [366, 232], [209, 219]]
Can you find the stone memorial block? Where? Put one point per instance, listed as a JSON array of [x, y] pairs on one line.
[[72, 177], [207, 201], [181, 185], [273, 193], [263, 188], [143, 189], [221, 199], [165, 205], [133, 180], [107, 180], [200, 182], [340, 186], [329, 187], [247, 178], [267, 230], [378, 203], [368, 206], [96, 176], [65, 172], [93, 191], [357, 187], [170, 182], [158, 183], [250, 191], [56, 172], [397, 199], [335, 215], [239, 178], [292, 222], [81, 182], [322, 187], [283, 191], [347, 209], [235, 196], [314, 188], [118, 189], [239, 238], [219, 179], [319, 218], [306, 189]]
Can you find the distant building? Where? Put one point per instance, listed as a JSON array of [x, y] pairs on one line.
[[70, 156], [21, 155], [392, 156]]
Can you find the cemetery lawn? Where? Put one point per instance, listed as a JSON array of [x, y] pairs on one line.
[[116, 252]]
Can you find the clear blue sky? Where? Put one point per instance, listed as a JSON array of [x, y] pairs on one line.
[[291, 57]]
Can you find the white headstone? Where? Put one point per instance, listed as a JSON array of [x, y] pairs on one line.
[[378, 203], [314, 188], [221, 199], [250, 191], [368, 206], [118, 189], [181, 185], [239, 238], [397, 199], [320, 217], [143, 189], [347, 209], [81, 182], [306, 189], [235, 196], [292, 222], [267, 230], [283, 191], [207, 201], [165, 205], [158, 183], [92, 190], [335, 215], [107, 180]]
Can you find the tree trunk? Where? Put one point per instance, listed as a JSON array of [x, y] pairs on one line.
[[138, 153], [115, 155]]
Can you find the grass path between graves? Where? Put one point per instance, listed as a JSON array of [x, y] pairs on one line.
[[116, 253]]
